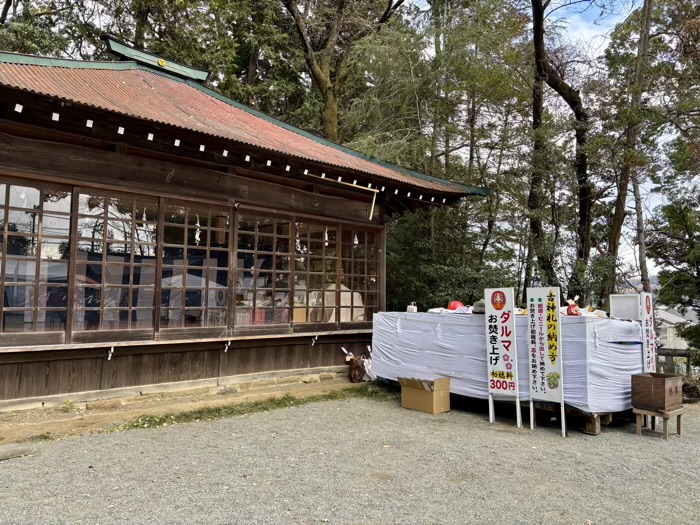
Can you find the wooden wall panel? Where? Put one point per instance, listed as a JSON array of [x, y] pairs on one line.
[[73, 375], [33, 379], [23, 379], [34, 374], [45, 378], [88, 166], [164, 367]]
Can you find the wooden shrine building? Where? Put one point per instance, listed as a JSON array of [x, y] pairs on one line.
[[154, 231]]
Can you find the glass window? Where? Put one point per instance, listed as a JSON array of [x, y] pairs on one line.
[[115, 267], [263, 288], [315, 273], [286, 271], [358, 274], [194, 278], [36, 248]]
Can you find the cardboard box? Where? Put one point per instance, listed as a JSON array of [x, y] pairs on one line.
[[425, 395], [661, 392]]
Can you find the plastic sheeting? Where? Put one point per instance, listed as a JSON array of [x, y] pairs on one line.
[[599, 355]]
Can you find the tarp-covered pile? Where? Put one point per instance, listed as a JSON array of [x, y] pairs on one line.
[[599, 355]]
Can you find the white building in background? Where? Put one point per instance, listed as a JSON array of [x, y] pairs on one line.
[[669, 321]]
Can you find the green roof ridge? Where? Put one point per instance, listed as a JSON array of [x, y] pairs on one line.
[[127, 52], [33, 60]]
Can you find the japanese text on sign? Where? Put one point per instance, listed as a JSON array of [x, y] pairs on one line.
[[545, 344], [501, 342], [648, 335]]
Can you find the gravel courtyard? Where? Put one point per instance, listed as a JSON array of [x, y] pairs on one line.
[[358, 461]]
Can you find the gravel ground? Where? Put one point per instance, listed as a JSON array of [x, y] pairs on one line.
[[358, 461]]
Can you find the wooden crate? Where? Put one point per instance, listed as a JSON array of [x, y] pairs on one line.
[[659, 392]]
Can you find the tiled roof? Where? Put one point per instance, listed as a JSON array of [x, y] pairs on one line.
[[134, 90]]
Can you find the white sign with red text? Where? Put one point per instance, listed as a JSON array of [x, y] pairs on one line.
[[501, 348], [648, 335]]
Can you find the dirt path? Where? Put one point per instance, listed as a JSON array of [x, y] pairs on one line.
[[83, 418]]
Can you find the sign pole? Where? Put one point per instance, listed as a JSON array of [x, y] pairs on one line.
[[563, 420], [518, 413], [492, 416], [532, 414]]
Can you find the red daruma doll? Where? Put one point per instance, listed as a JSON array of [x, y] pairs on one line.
[[454, 305], [498, 300], [573, 308]]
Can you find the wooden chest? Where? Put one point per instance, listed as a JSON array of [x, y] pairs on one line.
[[661, 392]]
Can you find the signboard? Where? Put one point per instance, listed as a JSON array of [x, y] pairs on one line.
[[500, 342], [501, 347], [648, 335], [545, 350], [544, 343]]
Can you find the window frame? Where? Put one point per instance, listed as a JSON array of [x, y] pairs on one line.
[[157, 332]]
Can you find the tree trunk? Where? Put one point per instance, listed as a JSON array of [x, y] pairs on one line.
[[252, 76], [330, 82], [472, 135], [141, 11], [572, 98], [529, 266], [534, 202], [5, 11], [437, 69], [641, 238], [329, 116], [493, 199], [578, 285], [631, 136]]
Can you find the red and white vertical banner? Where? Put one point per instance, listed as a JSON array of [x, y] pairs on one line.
[[501, 348], [648, 335], [544, 343]]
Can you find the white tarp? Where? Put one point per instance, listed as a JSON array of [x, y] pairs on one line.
[[599, 355]]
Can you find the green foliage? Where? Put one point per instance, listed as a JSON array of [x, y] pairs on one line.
[[445, 88], [431, 260], [675, 245]]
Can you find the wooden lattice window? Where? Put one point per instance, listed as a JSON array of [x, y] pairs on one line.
[[195, 262], [263, 270], [115, 266], [35, 254]]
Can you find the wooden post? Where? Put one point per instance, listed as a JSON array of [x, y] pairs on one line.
[[669, 367]]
